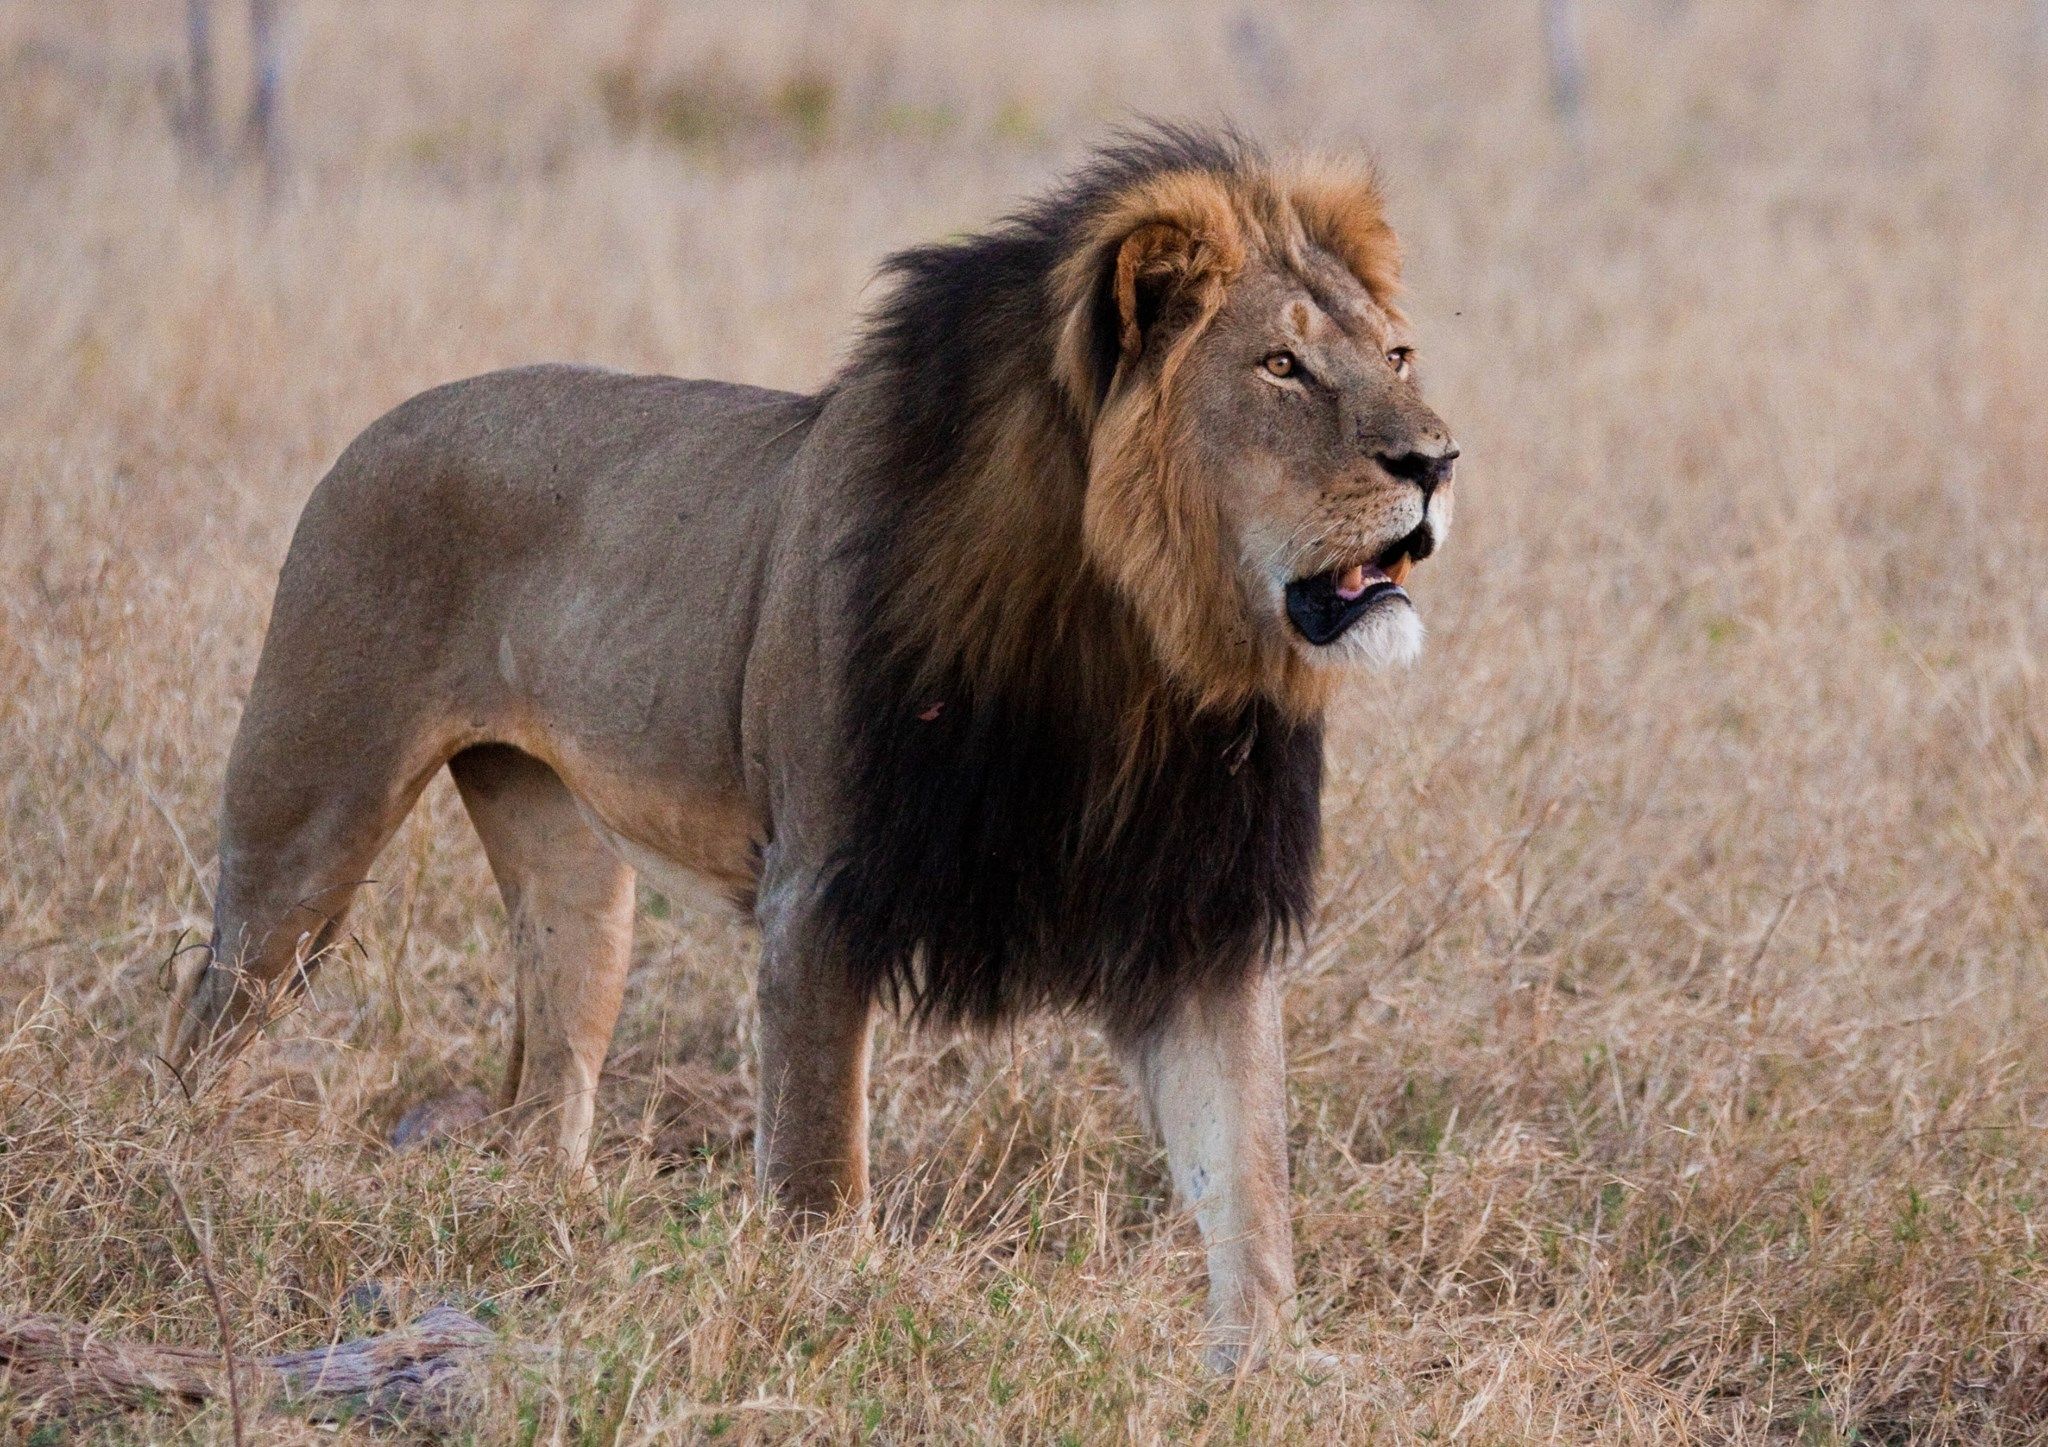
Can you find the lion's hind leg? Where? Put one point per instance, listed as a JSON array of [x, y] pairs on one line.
[[569, 907], [305, 815]]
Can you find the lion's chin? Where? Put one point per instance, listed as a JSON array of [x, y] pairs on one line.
[[1386, 635]]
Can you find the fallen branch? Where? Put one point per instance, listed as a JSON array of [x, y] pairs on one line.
[[428, 1374]]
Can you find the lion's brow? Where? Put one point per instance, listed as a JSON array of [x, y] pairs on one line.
[[1358, 316]]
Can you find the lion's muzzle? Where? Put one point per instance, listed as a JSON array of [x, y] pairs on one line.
[[1324, 605]]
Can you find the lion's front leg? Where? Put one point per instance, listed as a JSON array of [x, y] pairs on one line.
[[811, 1122], [1214, 1081]]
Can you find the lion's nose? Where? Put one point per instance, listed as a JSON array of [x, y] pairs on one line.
[[1427, 469]]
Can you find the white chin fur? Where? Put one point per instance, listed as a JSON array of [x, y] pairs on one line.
[[1388, 636]]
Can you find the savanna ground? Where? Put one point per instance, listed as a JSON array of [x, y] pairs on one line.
[[1668, 1063]]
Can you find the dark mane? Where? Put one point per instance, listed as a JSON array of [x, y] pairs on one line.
[[959, 311], [1045, 819]]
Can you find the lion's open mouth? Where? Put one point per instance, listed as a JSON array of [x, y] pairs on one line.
[[1324, 605]]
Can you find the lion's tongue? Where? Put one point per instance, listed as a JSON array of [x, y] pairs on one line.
[[1352, 581]]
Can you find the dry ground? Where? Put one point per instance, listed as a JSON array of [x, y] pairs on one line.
[[1667, 1065]]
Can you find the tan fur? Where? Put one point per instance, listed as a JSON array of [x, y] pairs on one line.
[[618, 608], [569, 903], [1341, 209], [1213, 1084]]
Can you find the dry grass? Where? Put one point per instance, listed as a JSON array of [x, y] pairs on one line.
[[1668, 1062]]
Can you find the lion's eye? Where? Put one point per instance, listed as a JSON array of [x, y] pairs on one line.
[[1282, 364], [1402, 360]]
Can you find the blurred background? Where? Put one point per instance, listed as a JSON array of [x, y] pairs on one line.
[[1668, 1055]]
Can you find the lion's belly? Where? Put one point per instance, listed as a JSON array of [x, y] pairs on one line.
[[690, 832], [697, 852]]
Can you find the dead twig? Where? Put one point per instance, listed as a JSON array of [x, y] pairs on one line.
[[426, 1375], [204, 1248]]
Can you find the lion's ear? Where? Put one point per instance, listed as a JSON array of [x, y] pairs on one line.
[[1155, 256], [1152, 266]]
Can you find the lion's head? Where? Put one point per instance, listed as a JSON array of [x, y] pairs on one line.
[[1171, 411], [1263, 470]]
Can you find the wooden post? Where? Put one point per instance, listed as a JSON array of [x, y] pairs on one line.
[[195, 115], [260, 130], [1565, 48]]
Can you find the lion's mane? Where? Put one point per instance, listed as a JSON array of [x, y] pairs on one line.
[[1066, 790]]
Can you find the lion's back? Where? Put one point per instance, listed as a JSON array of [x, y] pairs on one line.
[[550, 460], [528, 449], [575, 511]]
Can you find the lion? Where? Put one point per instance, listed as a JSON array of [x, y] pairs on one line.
[[988, 679]]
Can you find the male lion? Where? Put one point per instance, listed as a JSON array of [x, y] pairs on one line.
[[988, 679]]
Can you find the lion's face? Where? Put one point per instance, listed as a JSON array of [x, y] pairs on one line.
[[1262, 470], [1301, 407]]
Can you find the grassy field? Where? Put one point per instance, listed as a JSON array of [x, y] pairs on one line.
[[1668, 1061]]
